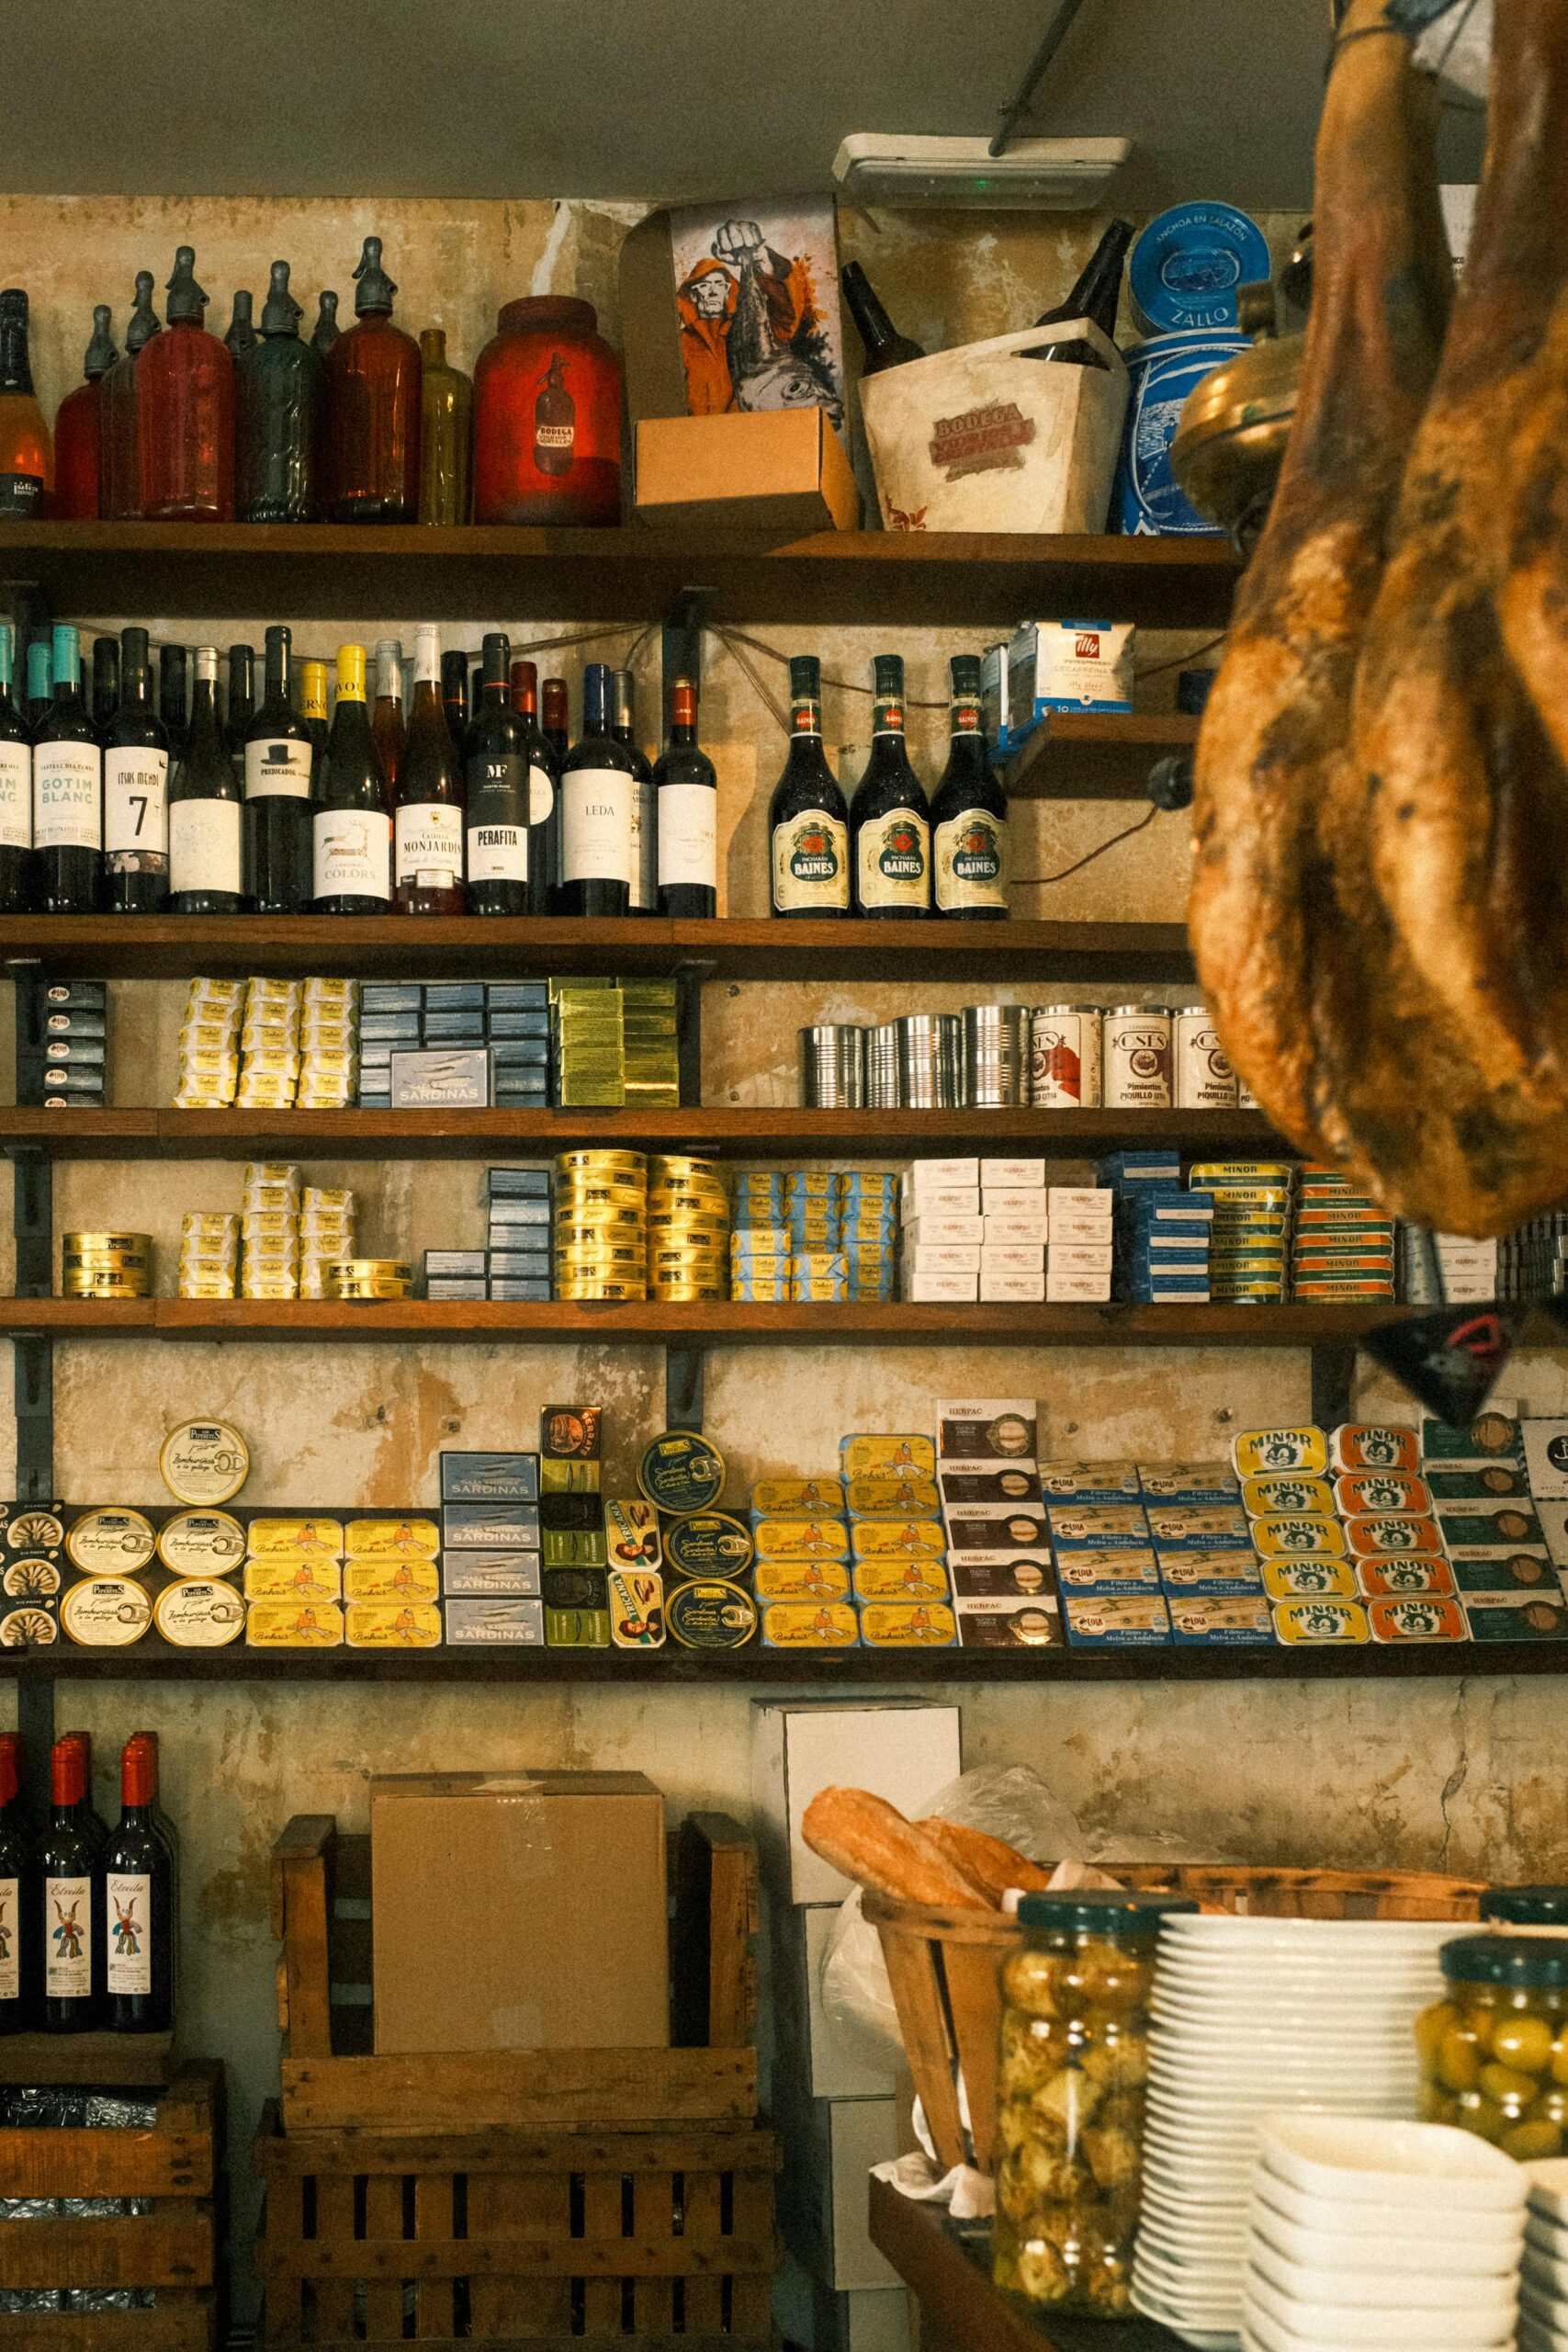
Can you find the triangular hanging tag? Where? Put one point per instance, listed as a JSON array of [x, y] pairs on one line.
[[1450, 1359]]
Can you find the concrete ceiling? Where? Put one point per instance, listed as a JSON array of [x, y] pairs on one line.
[[651, 98]]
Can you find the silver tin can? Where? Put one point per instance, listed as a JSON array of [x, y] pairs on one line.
[[951, 1079], [918, 1062], [832, 1067], [1137, 1059], [883, 1091], [996, 1055], [1065, 1057], [1204, 1074]]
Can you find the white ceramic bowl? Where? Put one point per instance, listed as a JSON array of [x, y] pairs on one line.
[[1212, 2313], [1500, 2235], [1427, 2165], [1545, 2313], [1346, 2330], [1548, 2188], [1550, 2238], [1547, 2274], [1368, 2289], [1390, 2249], [1535, 2337], [1181, 2240]]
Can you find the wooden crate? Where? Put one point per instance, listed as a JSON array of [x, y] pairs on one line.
[[171, 2249], [497, 2198]]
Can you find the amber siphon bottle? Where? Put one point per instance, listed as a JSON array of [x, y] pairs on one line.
[[446, 424], [76, 460], [371, 444], [119, 483], [278, 396], [185, 412]]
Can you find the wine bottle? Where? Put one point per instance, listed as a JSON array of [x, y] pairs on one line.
[[278, 406], [597, 789], [889, 818], [808, 823], [387, 729], [280, 755], [454, 693], [26, 453], [77, 436], [885, 346], [1095, 295], [206, 854], [139, 1928], [15, 797], [40, 685], [428, 846], [687, 814], [172, 667], [544, 790], [313, 703], [105, 684], [136, 791], [326, 331], [161, 1821], [371, 444], [73, 1966], [242, 335], [19, 1898], [67, 791], [495, 783], [642, 868], [353, 828], [555, 719], [446, 433], [969, 812], [120, 487], [185, 411], [240, 706]]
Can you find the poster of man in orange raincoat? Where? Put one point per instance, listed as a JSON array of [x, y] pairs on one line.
[[757, 328]]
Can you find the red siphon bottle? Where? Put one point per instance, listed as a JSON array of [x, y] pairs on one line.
[[547, 417], [119, 476], [76, 466], [185, 411], [370, 455]]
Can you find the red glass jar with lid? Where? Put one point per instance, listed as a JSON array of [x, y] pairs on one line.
[[547, 417]]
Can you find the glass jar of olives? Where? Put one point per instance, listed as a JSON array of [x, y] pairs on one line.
[[1070, 2097], [1494, 2050], [1535, 1907]]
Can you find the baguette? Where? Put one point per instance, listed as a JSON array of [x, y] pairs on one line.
[[870, 1840], [994, 1866]]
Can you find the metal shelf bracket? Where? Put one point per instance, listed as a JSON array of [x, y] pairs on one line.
[[683, 1388]]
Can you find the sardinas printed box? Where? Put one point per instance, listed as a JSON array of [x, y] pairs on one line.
[[503, 1576], [490, 1478], [495, 1622], [491, 1527]]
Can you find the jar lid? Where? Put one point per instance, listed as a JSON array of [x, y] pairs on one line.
[[1527, 1907], [1519, 1960], [1111, 1909], [538, 313]]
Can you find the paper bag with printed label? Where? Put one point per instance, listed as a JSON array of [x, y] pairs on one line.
[[991, 437]]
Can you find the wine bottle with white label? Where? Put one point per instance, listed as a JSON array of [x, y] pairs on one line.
[[67, 791], [889, 818], [808, 820], [16, 789], [428, 825], [279, 756], [205, 855], [353, 822], [21, 1954], [969, 814], [73, 1965], [495, 792], [642, 866], [598, 782], [138, 1928], [544, 789], [687, 815], [136, 790]]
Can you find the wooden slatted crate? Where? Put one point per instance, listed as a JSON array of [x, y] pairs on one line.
[[594, 2198], [171, 2249]]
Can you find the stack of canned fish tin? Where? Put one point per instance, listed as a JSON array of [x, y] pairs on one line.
[[369, 1277], [1052, 1058], [601, 1224], [688, 1230], [106, 1265]]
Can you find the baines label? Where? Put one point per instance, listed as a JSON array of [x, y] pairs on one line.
[[15, 796], [893, 854], [68, 796], [352, 853], [278, 767], [136, 817], [688, 836], [596, 825], [498, 853], [969, 861], [204, 845], [430, 845], [129, 1922], [10, 1939], [811, 864], [68, 1933]]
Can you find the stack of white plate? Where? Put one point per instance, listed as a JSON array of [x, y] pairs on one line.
[[1249, 2016], [1543, 2288], [1382, 2238]]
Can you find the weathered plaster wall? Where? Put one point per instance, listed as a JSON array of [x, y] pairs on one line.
[[1467, 1773]]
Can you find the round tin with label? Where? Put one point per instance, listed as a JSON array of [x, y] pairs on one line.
[[111, 1542], [202, 1543], [27, 1629], [35, 1530], [30, 1580], [204, 1462], [198, 1614], [105, 1612], [1187, 265], [710, 1613], [709, 1544], [682, 1472]]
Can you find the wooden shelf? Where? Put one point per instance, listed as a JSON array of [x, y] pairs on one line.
[[172, 948], [737, 1131], [837, 579], [1095, 755], [716, 1323]]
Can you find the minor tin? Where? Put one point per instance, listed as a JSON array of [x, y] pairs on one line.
[[710, 1614], [682, 1472]]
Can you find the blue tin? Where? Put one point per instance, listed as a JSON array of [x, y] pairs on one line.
[[1146, 500], [1184, 270]]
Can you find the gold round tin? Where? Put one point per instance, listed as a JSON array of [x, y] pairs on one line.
[[202, 1543], [27, 1629], [204, 1463], [104, 1282], [602, 1256], [113, 1261], [603, 1294], [572, 1217], [371, 1269], [89, 1243], [593, 1162], [199, 1615], [687, 1293], [105, 1612], [672, 1163], [111, 1542]]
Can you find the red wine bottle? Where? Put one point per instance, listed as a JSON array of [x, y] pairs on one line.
[[16, 790], [598, 785], [495, 791], [687, 814], [136, 791], [19, 1962], [68, 1853], [139, 1929], [427, 846]]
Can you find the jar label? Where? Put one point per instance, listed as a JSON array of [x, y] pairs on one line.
[[16, 803], [498, 853], [1137, 1062], [136, 817], [893, 858], [280, 766], [204, 845], [10, 1938], [68, 796], [128, 1923], [430, 844], [68, 1930], [541, 794], [688, 836], [596, 825], [811, 863], [353, 853], [971, 860]]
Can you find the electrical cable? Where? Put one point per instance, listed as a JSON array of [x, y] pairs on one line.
[[1044, 881]]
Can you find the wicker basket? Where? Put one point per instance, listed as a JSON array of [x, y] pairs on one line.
[[945, 1966]]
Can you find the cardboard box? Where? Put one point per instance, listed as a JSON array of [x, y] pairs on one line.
[[774, 476], [519, 1911], [898, 1750]]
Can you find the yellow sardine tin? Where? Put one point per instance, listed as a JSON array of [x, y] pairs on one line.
[[801, 1539], [898, 1539], [317, 1538], [1291, 1491], [807, 1625], [391, 1539], [797, 1497], [779, 1580], [1256, 1452], [392, 1625], [892, 1498], [403, 1578], [1302, 1537], [907, 1625], [292, 1576], [1298, 1579], [900, 1580], [893, 1456], [292, 1625]]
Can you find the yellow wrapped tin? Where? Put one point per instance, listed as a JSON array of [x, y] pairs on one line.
[[898, 1539], [396, 1579], [310, 1538], [801, 1539], [606, 1294], [1308, 1579], [801, 1580], [810, 1625], [896, 1456], [672, 1293], [1282, 1537], [392, 1625], [818, 1290], [796, 1496], [669, 1163], [1320, 1621], [391, 1539], [294, 1625], [1294, 1491], [892, 1498], [907, 1625], [593, 1162], [290, 1575], [811, 1184], [901, 1579], [1257, 1453]]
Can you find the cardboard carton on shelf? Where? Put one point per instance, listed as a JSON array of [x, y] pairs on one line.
[[768, 477]]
